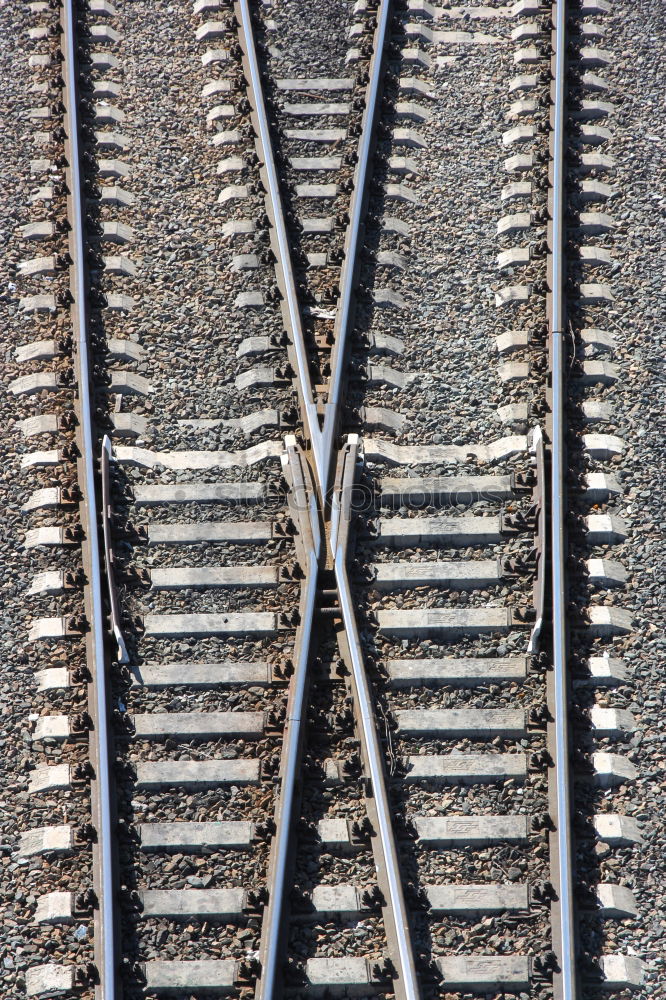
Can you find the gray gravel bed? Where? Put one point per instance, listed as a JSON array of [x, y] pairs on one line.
[[462, 800], [179, 227], [173, 748], [224, 870], [471, 467], [185, 286], [178, 699], [191, 513], [234, 803], [486, 696], [318, 868], [218, 601], [271, 553], [337, 939], [174, 868], [180, 941], [431, 597], [493, 645], [296, 49], [213, 650], [635, 36], [455, 304], [24, 880], [267, 472]]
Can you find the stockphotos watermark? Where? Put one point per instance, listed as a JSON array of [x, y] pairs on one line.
[[367, 499]]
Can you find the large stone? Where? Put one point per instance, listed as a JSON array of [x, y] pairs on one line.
[[617, 830], [380, 450], [419, 491], [198, 725], [471, 830], [49, 980], [181, 904], [201, 675], [454, 723], [622, 971], [465, 768], [453, 575], [195, 836], [218, 976], [464, 672], [484, 972], [445, 621], [472, 899], [259, 623], [223, 493], [197, 774], [44, 839], [338, 976], [443, 530], [202, 577], [303, 135]]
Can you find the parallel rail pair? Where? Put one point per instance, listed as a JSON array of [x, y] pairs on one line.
[[323, 529]]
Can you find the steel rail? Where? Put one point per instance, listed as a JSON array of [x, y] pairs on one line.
[[372, 753], [268, 986], [321, 438], [107, 988], [272, 935], [284, 262], [340, 519], [322, 441], [343, 314], [556, 321]]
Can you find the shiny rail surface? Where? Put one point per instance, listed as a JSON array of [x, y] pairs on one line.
[[271, 953], [322, 441], [344, 310], [90, 508], [558, 510], [306, 517], [276, 214], [388, 864]]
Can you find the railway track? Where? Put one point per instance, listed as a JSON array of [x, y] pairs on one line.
[[300, 764]]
